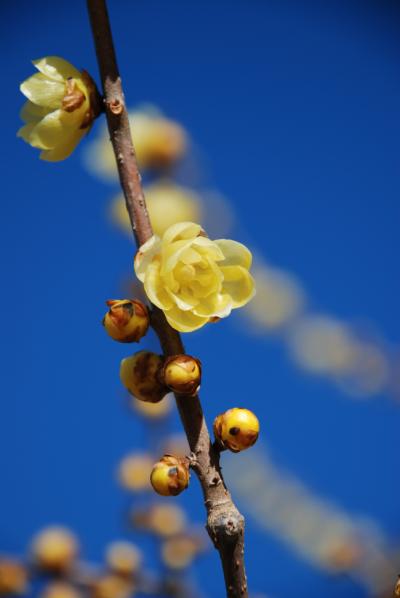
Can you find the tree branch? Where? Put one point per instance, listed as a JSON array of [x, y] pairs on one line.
[[225, 524]]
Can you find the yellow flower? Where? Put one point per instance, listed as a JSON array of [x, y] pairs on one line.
[[193, 279], [59, 110], [167, 204]]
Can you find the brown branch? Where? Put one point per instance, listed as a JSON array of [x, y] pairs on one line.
[[225, 524]]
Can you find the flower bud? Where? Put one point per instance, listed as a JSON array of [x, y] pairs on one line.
[[134, 472], [236, 429], [112, 586], [170, 476], [13, 577], [182, 374], [126, 321], [55, 549], [139, 375]]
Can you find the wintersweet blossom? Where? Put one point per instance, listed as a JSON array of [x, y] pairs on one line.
[[193, 279], [59, 110]]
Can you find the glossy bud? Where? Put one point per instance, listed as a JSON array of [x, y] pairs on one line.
[[139, 375], [182, 374], [237, 429], [170, 476], [127, 321]]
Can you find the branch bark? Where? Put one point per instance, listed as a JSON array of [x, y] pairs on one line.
[[225, 524]]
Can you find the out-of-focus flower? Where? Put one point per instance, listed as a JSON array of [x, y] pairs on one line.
[[60, 589], [134, 472], [193, 279], [237, 429], [178, 552], [322, 344], [170, 475], [279, 299], [13, 577], [55, 549], [127, 320], [177, 444], [159, 143], [165, 520], [153, 410], [167, 204], [123, 558], [60, 109], [139, 375], [112, 586]]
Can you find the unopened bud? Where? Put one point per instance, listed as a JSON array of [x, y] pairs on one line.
[[397, 588], [60, 589], [112, 586], [127, 321], [182, 374], [13, 577], [139, 375], [170, 476], [236, 429], [55, 549]]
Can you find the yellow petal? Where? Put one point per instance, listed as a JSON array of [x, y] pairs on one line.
[[209, 248], [184, 301], [235, 253], [154, 287], [32, 112], [49, 131], [56, 68], [184, 321], [238, 283], [43, 91], [181, 231], [63, 149], [216, 305], [145, 255], [25, 133]]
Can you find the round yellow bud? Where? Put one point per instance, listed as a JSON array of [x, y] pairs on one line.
[[13, 577], [139, 375], [182, 374], [123, 558], [237, 429], [134, 472], [162, 519], [55, 549], [60, 589], [127, 321], [170, 476]]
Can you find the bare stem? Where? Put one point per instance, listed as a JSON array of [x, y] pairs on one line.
[[225, 524]]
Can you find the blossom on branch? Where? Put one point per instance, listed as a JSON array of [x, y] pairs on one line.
[[193, 279], [62, 104]]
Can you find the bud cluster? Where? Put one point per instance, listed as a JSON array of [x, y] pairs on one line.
[[150, 377]]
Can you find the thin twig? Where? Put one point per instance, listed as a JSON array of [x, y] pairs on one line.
[[225, 524]]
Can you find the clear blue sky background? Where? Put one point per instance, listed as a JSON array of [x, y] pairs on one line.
[[297, 106]]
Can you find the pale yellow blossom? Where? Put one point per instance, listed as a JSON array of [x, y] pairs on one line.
[[167, 203], [192, 278], [59, 110]]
